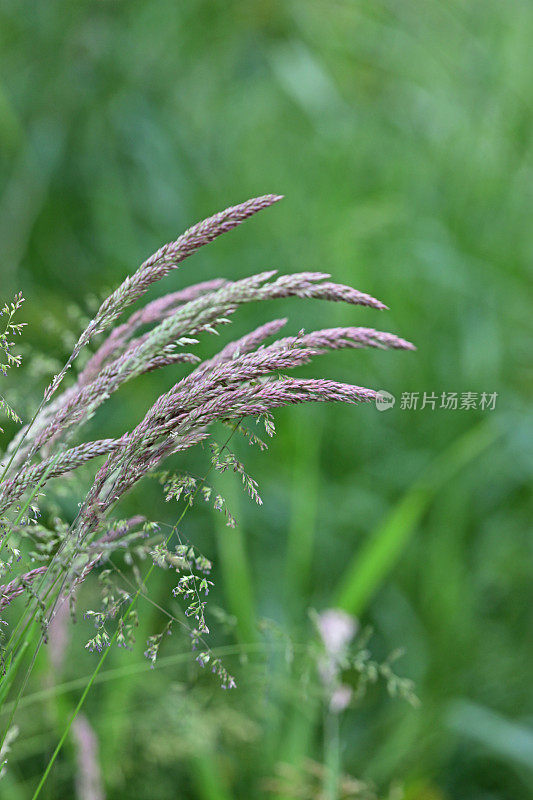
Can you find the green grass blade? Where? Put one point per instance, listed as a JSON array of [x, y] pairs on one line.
[[378, 556], [304, 498]]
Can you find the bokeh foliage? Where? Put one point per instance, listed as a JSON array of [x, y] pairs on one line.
[[402, 137]]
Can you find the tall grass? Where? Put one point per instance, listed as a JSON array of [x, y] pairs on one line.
[[401, 135], [243, 380]]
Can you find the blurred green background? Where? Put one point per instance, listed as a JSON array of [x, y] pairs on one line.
[[401, 134]]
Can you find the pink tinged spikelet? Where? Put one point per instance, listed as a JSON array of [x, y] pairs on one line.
[[9, 591], [52, 468], [117, 531], [158, 309], [338, 338], [314, 284], [259, 398]]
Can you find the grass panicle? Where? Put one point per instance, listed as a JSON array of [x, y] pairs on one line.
[[246, 378]]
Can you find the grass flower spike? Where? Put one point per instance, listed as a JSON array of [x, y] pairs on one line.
[[246, 378]]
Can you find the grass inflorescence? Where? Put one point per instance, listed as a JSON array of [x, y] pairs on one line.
[[246, 378]]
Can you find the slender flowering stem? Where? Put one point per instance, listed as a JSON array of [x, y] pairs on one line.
[[247, 377], [105, 653]]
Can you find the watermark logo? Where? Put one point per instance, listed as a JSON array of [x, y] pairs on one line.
[[384, 400], [447, 401]]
